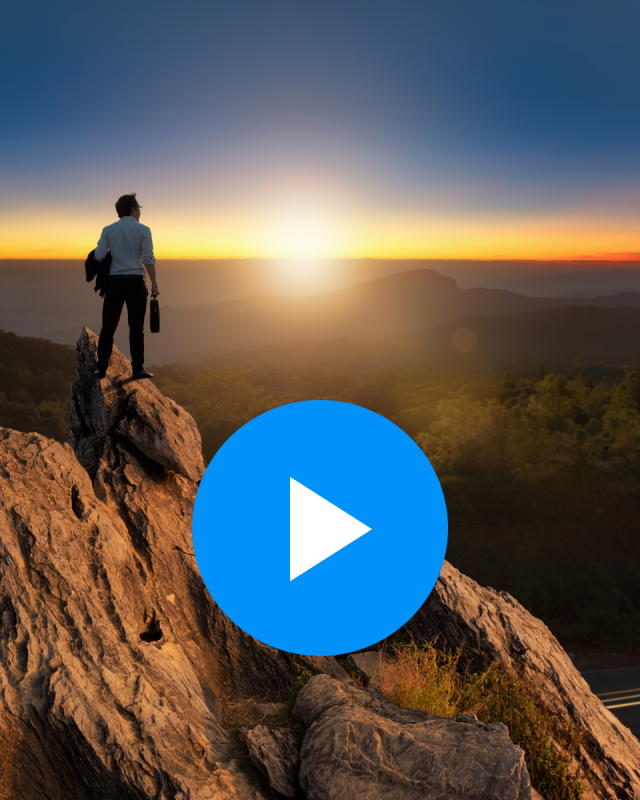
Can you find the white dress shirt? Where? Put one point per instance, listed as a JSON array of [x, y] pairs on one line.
[[130, 245]]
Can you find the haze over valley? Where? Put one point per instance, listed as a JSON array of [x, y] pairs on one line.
[[56, 303]]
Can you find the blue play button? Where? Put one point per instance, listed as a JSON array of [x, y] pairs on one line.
[[320, 528]]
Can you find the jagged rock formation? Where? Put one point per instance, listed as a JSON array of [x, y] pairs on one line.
[[107, 683], [358, 745], [112, 653], [459, 612], [114, 657]]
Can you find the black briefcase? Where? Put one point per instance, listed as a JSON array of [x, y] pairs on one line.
[[154, 315]]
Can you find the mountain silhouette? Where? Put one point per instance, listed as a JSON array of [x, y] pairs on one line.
[[395, 304], [563, 339]]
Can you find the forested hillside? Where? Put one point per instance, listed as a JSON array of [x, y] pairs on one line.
[[541, 476], [35, 378]]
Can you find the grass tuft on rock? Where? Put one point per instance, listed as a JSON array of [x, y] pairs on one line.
[[445, 684]]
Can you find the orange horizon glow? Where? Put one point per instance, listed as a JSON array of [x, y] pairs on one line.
[[325, 232], [488, 253]]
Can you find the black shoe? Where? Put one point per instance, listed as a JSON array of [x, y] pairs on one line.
[[143, 374], [99, 374]]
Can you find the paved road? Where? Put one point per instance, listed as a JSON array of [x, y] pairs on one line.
[[619, 690]]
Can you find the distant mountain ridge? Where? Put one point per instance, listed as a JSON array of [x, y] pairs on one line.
[[395, 304], [567, 338], [572, 283], [563, 339]]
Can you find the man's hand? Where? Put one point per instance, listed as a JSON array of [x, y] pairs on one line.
[[154, 290]]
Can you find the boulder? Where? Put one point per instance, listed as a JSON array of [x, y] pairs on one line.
[[274, 752], [460, 613], [358, 745]]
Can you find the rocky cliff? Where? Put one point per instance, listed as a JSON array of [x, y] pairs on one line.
[[113, 655], [114, 658]]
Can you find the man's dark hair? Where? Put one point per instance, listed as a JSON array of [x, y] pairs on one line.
[[126, 204]]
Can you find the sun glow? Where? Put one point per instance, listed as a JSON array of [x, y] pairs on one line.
[[302, 234]]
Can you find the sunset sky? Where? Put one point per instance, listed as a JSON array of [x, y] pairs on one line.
[[404, 128]]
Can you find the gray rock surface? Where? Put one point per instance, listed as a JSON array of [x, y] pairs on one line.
[[274, 752], [327, 666], [368, 663], [462, 613], [359, 746]]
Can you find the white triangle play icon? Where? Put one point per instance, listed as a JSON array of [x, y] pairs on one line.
[[318, 529]]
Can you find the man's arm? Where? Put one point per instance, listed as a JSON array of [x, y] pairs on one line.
[[151, 269], [148, 259], [102, 248]]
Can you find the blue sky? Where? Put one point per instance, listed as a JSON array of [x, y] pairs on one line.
[[399, 111]]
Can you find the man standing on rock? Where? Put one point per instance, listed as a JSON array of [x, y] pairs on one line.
[[131, 250]]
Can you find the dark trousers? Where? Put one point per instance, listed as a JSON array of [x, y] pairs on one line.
[[120, 290]]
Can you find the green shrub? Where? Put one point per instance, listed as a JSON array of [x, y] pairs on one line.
[[547, 741]]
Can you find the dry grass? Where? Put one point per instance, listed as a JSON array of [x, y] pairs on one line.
[[425, 679], [443, 684], [238, 713]]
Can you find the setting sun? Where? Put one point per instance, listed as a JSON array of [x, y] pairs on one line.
[[302, 234]]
